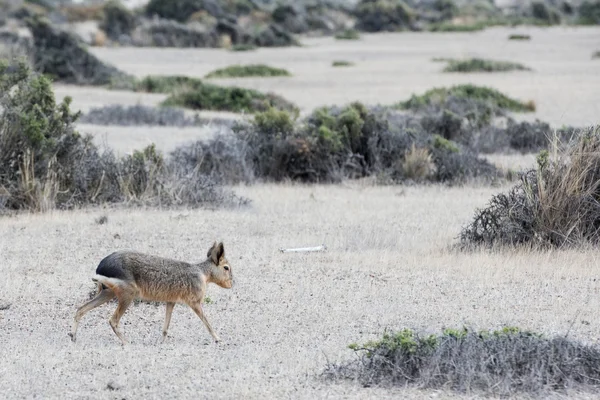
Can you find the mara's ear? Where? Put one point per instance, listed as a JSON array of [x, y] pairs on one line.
[[211, 251], [220, 252]]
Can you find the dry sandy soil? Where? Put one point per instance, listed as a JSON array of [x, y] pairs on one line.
[[387, 266], [388, 263], [389, 68]]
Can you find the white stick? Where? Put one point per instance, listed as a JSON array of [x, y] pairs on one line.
[[304, 249]]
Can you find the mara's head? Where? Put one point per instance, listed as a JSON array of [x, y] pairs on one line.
[[222, 274]]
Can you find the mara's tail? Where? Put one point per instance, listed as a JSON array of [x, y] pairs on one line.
[[110, 272]]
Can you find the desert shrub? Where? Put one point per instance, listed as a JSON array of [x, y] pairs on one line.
[[541, 11], [452, 27], [224, 158], [503, 362], [348, 34], [243, 47], [447, 8], [223, 98], [252, 70], [169, 33], [166, 84], [179, 10], [596, 55], [481, 65], [467, 91], [138, 115], [519, 36], [46, 164], [117, 20], [383, 15], [272, 35], [589, 12], [342, 63], [354, 141], [61, 55], [554, 205]]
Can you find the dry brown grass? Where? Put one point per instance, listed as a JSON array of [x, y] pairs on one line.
[[387, 267]]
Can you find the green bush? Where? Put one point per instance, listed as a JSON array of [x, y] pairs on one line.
[[243, 47], [166, 84], [348, 34], [179, 10], [450, 27], [544, 13], [213, 97], [481, 93], [242, 71], [274, 122], [117, 20], [342, 63], [447, 8], [518, 36], [589, 13], [596, 55], [481, 65], [384, 15], [498, 363]]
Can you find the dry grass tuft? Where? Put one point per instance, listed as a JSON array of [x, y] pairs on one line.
[[557, 204]]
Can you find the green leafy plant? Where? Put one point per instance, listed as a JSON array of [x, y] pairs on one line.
[[481, 65], [252, 70]]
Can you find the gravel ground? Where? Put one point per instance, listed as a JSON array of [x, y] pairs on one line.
[[387, 266]]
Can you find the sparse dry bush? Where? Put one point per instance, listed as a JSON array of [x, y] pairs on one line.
[[169, 33], [504, 362], [553, 205], [139, 115], [46, 164]]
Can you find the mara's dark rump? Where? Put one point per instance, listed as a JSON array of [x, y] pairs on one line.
[[111, 267]]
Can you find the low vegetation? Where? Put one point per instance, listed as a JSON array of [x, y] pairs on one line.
[[505, 362], [224, 98], [467, 91], [348, 34], [139, 115], [243, 47], [596, 55], [342, 63], [553, 205], [336, 143], [193, 93], [45, 164], [451, 27], [243, 71], [481, 65], [519, 36]]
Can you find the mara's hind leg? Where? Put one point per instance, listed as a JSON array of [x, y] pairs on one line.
[[168, 313], [197, 307], [125, 299], [103, 296]]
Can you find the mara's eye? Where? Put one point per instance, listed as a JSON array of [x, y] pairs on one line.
[[226, 267]]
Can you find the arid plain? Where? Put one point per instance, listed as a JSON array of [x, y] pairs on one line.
[[389, 262]]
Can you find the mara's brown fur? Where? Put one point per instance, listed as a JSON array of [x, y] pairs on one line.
[[128, 275]]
